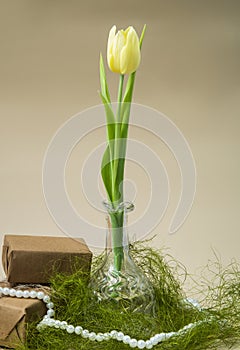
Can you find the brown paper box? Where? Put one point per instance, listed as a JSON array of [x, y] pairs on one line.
[[33, 259], [14, 314]]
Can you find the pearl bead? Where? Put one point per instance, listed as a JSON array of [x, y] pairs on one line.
[[78, 330], [33, 294], [85, 333], [50, 305], [12, 292], [63, 325], [5, 291], [141, 344], [70, 329], [114, 334], [57, 324], [26, 294], [149, 344], [40, 295], [160, 337], [169, 335], [133, 343], [19, 294], [50, 322], [46, 299], [50, 312], [99, 337], [92, 336], [154, 340], [190, 325], [119, 336], [46, 321], [126, 339], [106, 336], [40, 326]]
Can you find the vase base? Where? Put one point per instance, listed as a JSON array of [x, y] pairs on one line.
[[131, 291]]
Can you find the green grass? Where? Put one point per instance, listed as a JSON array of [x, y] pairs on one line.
[[75, 304]]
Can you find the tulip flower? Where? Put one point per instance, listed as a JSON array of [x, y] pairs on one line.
[[123, 56], [123, 50]]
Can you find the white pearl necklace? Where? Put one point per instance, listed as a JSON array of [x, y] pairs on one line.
[[49, 321]]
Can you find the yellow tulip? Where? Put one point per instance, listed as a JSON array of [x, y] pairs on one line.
[[123, 51]]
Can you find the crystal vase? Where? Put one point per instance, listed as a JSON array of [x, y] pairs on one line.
[[118, 279]]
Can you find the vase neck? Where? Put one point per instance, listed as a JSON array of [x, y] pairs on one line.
[[117, 236], [116, 207], [117, 241], [117, 225]]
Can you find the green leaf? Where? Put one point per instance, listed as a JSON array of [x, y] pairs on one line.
[[107, 163], [126, 107], [106, 173], [129, 88], [103, 81], [118, 196], [109, 117], [142, 36]]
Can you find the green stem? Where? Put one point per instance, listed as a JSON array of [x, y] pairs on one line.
[[117, 148], [120, 89], [117, 218], [117, 239]]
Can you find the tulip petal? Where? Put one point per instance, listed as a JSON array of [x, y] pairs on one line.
[[130, 54], [118, 43], [111, 37]]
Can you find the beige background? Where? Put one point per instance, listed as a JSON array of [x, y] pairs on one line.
[[189, 71]]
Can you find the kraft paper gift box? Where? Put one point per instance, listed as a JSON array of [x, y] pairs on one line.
[[34, 259], [15, 313]]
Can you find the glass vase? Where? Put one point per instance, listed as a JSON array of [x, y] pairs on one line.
[[118, 279]]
